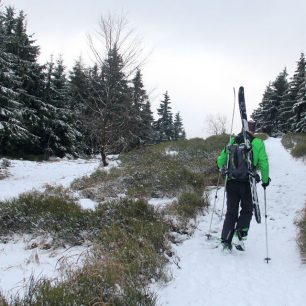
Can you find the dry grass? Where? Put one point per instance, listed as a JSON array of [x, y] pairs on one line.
[[130, 239], [296, 143], [127, 253], [152, 172], [302, 235]]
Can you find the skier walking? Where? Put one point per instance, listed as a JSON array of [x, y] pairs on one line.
[[233, 165]]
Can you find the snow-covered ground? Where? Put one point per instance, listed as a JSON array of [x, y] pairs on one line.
[[25, 175], [208, 277], [205, 276], [18, 260]]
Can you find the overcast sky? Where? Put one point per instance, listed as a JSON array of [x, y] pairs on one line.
[[201, 49]]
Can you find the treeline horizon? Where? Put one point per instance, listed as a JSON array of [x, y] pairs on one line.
[[47, 110]]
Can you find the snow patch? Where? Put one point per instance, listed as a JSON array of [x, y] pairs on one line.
[[27, 175], [171, 152], [160, 203], [87, 204], [19, 262]]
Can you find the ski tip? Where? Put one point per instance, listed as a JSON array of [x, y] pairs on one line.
[[241, 89]]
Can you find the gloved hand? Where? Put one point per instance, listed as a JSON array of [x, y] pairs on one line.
[[257, 178], [224, 172], [264, 185]]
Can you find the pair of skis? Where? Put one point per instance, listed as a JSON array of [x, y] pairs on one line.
[[245, 130]]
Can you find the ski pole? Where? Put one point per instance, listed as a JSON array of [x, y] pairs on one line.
[[226, 177], [266, 226], [223, 198], [208, 235]]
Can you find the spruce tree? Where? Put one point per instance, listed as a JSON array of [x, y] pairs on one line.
[[67, 127], [61, 132], [147, 132], [164, 124], [116, 102], [18, 56], [299, 107], [79, 92], [268, 115], [179, 132], [261, 115], [288, 118], [280, 87], [78, 85], [140, 113], [11, 126], [32, 80]]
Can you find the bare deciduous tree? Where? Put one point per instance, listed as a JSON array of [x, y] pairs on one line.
[[216, 124], [117, 54], [114, 32]]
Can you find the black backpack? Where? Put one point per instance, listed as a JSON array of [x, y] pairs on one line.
[[238, 162]]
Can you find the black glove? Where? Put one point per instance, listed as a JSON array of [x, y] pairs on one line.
[[224, 172], [264, 185], [257, 178]]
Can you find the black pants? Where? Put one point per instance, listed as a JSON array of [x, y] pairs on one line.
[[237, 192]]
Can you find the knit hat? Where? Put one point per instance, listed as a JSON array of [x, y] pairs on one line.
[[252, 126]]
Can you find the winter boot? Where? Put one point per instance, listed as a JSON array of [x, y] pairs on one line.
[[239, 237], [226, 247]]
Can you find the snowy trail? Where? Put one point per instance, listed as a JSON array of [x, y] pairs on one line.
[[208, 277]]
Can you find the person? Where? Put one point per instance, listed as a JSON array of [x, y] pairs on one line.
[[239, 191]]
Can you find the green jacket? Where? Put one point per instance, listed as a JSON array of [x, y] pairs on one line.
[[260, 158]]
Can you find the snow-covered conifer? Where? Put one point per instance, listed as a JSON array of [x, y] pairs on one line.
[[179, 131], [164, 124]]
